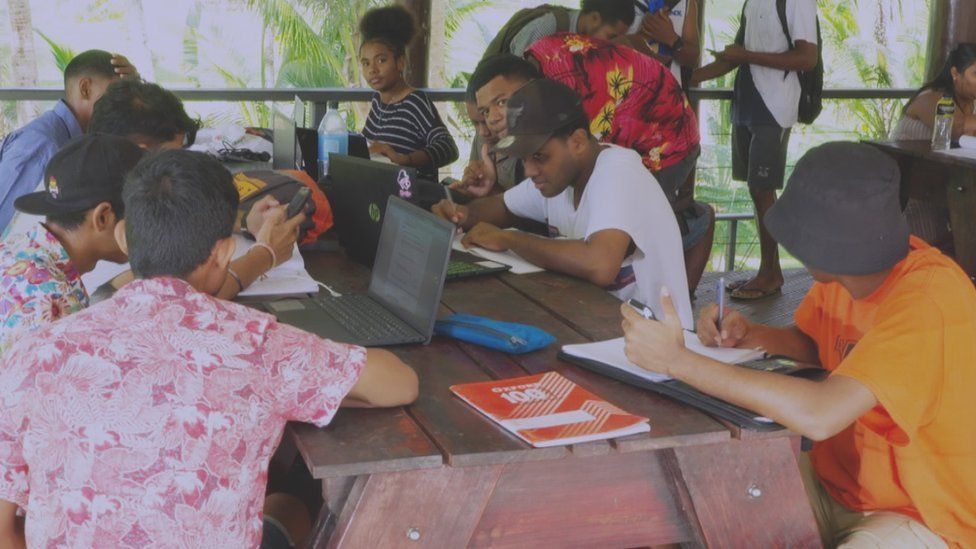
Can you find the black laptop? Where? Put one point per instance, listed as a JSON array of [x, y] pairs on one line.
[[404, 287], [358, 190]]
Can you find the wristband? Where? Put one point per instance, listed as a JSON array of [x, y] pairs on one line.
[[237, 279], [274, 257]]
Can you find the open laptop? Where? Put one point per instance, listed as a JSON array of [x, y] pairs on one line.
[[358, 190], [404, 287]]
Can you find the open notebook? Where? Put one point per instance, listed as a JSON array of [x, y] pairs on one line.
[[510, 258], [289, 279]]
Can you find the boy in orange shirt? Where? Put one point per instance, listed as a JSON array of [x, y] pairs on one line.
[[894, 322]]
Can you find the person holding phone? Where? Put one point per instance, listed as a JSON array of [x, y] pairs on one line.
[[667, 30]]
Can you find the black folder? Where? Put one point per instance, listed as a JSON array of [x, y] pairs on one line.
[[686, 394]]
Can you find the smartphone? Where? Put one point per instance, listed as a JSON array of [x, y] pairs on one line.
[[298, 202], [644, 310]]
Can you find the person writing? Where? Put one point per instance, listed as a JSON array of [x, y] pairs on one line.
[[403, 124], [891, 320], [609, 222]]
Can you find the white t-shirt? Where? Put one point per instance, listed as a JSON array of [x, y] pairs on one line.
[[620, 194], [677, 16], [764, 34]]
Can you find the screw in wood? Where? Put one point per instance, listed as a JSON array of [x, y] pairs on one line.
[[413, 534], [754, 491]]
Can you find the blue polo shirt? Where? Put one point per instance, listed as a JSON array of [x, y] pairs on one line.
[[25, 153]]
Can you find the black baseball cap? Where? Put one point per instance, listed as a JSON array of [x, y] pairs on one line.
[[88, 170], [536, 111]]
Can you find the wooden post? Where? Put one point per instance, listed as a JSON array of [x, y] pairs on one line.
[[418, 51], [951, 22]]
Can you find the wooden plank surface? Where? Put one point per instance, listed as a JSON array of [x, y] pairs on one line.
[[922, 149], [621, 500], [748, 494], [671, 423]]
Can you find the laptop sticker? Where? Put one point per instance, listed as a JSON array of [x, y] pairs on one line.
[[404, 181]]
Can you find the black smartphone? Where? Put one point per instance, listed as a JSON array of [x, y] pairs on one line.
[[644, 310], [298, 202]]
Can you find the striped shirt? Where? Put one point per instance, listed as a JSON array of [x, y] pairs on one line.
[[409, 125]]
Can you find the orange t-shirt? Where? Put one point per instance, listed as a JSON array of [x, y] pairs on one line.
[[913, 344]]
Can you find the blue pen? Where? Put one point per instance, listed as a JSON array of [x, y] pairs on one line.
[[720, 296]]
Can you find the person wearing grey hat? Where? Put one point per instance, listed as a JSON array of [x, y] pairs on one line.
[[616, 225], [40, 270], [891, 321]]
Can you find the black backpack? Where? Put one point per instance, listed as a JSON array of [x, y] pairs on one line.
[[811, 82]]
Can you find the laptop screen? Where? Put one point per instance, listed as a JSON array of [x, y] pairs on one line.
[[411, 261]]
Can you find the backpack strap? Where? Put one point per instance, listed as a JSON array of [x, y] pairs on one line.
[[562, 19], [740, 35], [781, 12]]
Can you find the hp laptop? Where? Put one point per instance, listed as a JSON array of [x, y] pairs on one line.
[[358, 190], [404, 287]]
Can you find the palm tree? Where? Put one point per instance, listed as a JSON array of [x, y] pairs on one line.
[[23, 62]]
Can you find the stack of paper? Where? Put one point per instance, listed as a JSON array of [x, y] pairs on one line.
[[611, 353], [518, 264]]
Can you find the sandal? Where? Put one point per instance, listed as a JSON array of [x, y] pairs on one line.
[[753, 294], [736, 284]]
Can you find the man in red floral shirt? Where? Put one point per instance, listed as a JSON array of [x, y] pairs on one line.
[[149, 418]]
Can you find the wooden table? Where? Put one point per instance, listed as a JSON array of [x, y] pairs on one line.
[[438, 474], [942, 179]]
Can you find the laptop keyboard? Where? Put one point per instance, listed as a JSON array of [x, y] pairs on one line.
[[367, 320], [461, 268]]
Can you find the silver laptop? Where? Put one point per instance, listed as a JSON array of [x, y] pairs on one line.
[[285, 147], [404, 288]]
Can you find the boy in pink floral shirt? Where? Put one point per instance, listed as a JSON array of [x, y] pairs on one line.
[[149, 419]]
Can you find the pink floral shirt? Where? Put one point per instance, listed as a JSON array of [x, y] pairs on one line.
[[149, 419]]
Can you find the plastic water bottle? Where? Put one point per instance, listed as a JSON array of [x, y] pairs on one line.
[[945, 110], [333, 137]]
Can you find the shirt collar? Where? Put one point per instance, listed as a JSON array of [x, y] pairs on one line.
[[45, 241], [63, 112], [163, 286]]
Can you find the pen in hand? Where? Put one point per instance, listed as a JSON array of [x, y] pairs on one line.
[[720, 298]]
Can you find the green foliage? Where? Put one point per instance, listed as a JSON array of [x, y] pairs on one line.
[[62, 54]]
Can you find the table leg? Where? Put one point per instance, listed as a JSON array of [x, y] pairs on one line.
[[747, 494], [962, 216]]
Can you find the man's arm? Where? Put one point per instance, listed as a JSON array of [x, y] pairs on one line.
[[803, 57], [815, 409], [711, 71], [596, 259], [736, 331], [385, 381], [490, 209], [11, 526]]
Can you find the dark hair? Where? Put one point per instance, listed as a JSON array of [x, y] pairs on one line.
[[90, 63], [960, 58], [179, 204], [392, 26], [502, 64], [72, 221], [131, 108], [611, 11], [579, 123]]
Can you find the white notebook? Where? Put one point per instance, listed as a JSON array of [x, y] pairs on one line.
[[287, 279], [518, 264], [611, 353]]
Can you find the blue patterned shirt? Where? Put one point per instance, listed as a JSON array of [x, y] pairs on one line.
[[38, 284]]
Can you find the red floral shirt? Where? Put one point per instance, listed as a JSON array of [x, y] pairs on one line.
[[149, 418], [632, 100]]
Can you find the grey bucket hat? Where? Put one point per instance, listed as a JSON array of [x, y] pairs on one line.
[[841, 211]]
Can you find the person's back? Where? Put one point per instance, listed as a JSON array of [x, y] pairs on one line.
[[912, 342], [150, 418]]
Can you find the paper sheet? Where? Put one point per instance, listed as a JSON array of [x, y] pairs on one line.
[[967, 142], [510, 258], [289, 278], [611, 352]]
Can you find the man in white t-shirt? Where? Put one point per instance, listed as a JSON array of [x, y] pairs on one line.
[[609, 221], [764, 108]]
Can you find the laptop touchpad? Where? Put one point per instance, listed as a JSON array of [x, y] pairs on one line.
[[286, 306]]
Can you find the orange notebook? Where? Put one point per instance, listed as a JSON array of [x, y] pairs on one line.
[[549, 410]]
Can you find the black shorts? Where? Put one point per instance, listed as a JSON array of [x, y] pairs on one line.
[[759, 155]]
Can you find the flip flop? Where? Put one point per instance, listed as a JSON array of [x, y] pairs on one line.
[[736, 284], [753, 294]]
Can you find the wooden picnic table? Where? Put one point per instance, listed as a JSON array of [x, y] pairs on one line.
[[438, 474], [941, 179]]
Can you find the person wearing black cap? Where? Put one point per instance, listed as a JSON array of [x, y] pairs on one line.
[[891, 320], [617, 227], [40, 271]]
